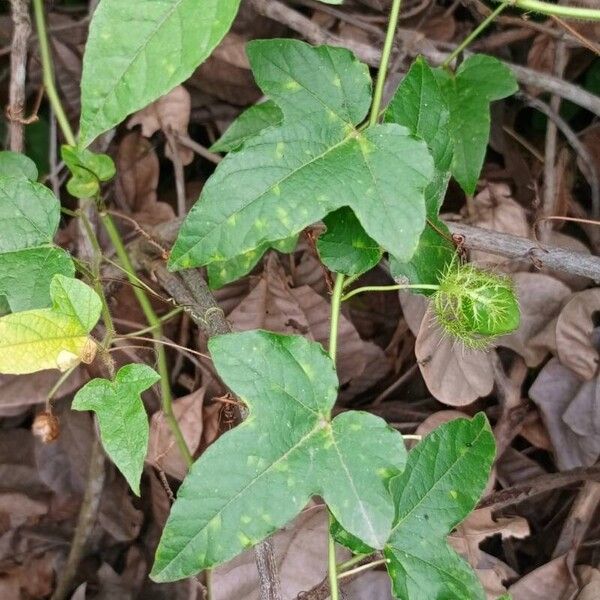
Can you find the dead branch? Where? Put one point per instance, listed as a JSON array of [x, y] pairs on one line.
[[541, 255], [18, 73]]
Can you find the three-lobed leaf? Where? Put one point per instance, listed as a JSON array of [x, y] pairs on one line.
[[478, 81], [51, 338], [258, 476], [292, 175], [419, 104], [138, 51], [29, 217], [122, 418], [444, 477]]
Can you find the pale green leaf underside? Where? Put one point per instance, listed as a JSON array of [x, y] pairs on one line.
[[443, 480], [14, 164], [29, 215], [139, 51], [250, 123], [122, 417], [292, 175], [287, 450], [50, 338]]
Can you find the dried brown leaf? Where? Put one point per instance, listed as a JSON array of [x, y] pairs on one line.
[[300, 553], [574, 333], [137, 172], [540, 300], [570, 409], [170, 112], [551, 581], [162, 449], [275, 306], [454, 374]]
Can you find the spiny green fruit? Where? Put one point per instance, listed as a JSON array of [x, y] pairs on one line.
[[474, 305]]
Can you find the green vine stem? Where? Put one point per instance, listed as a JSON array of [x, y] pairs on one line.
[[558, 10], [156, 325], [385, 61], [48, 73], [476, 32], [336, 303], [115, 238]]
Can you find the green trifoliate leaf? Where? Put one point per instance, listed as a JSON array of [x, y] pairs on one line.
[[287, 450], [345, 247], [478, 81], [122, 417], [250, 123], [88, 170], [14, 164], [292, 175], [29, 216], [51, 338], [444, 477], [138, 51], [221, 273]]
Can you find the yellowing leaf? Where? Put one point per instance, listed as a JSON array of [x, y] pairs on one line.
[[51, 338]]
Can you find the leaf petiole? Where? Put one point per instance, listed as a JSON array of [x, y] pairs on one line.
[[389, 288]]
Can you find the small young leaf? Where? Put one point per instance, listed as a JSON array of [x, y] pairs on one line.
[[51, 338], [478, 81], [292, 175], [14, 164], [444, 477], [29, 215], [250, 123], [224, 272], [138, 51], [287, 450], [88, 170], [122, 418], [345, 247]]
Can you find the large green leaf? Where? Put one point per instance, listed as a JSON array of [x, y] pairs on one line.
[[250, 123], [346, 247], [138, 51], [51, 338], [478, 81], [292, 175], [287, 450], [443, 480], [14, 164], [29, 215], [122, 418]]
